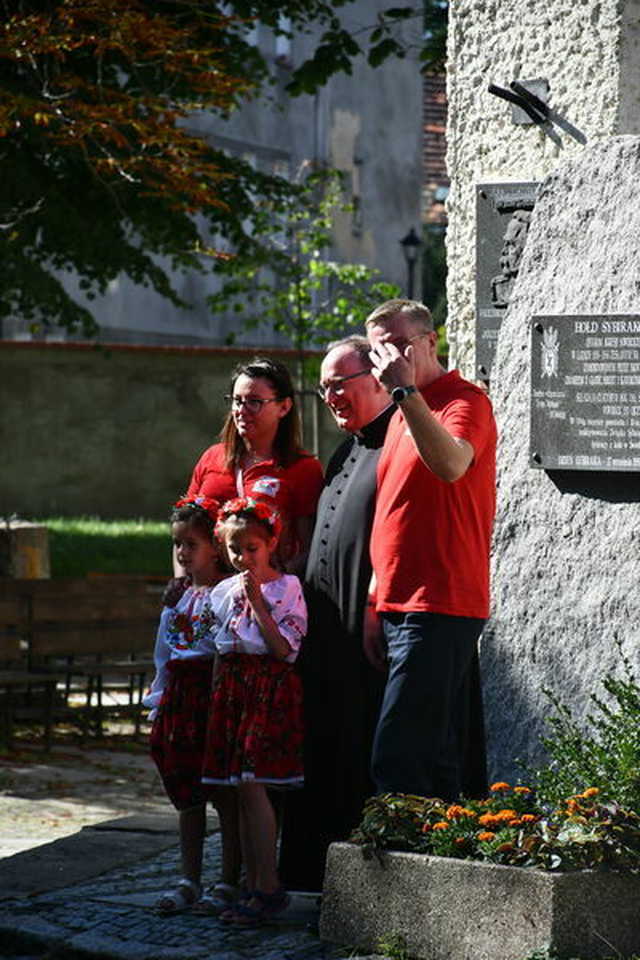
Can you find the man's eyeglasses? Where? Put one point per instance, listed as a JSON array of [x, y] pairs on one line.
[[337, 385], [253, 404], [402, 342]]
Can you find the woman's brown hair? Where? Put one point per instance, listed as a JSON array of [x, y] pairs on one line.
[[286, 444]]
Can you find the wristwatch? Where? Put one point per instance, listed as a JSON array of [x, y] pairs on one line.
[[398, 394]]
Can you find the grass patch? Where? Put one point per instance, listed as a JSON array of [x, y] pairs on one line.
[[82, 545]]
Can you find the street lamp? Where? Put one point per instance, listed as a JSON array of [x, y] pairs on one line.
[[410, 246]]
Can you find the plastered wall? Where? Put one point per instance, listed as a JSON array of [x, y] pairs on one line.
[[588, 51]]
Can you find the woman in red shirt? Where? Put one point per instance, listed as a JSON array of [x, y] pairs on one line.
[[260, 454]]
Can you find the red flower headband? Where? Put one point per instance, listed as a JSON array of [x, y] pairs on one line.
[[208, 504], [249, 507]]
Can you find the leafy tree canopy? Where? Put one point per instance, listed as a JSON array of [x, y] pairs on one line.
[[284, 277], [102, 174]]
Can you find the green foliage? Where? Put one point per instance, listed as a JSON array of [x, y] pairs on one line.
[[82, 545], [283, 276], [604, 754], [393, 946]]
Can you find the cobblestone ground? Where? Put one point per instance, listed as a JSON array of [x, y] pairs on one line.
[[113, 917]]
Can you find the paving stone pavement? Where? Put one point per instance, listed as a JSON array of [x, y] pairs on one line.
[[112, 917]]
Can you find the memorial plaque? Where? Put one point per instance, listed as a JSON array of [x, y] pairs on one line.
[[503, 214], [585, 392]]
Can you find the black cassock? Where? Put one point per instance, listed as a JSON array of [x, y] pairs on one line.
[[342, 691]]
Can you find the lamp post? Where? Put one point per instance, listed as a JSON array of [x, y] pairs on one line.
[[410, 246]]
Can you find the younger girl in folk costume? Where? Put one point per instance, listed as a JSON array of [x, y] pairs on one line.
[[181, 690], [255, 730]]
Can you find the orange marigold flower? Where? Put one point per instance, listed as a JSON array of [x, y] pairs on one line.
[[528, 818], [515, 823], [488, 820], [500, 785], [505, 815], [460, 841], [426, 827], [486, 835], [572, 805], [591, 792], [455, 812], [521, 790], [441, 825]]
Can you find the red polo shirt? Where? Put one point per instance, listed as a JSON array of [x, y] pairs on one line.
[[431, 540]]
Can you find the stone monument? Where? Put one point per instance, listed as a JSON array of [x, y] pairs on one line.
[[567, 541], [566, 556]]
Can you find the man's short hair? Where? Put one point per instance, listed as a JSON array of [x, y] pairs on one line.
[[419, 315], [358, 344]]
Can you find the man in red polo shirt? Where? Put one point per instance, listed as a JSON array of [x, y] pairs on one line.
[[430, 552]]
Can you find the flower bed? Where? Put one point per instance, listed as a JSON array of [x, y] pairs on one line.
[[508, 827]]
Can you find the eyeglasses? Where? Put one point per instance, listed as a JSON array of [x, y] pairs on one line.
[[253, 404], [337, 385]]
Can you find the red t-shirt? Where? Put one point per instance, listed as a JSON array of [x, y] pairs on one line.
[[295, 488], [431, 540]]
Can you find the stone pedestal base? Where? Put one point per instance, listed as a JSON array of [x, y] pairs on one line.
[[466, 910]]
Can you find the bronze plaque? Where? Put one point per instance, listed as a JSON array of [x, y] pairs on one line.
[[503, 214], [585, 392]]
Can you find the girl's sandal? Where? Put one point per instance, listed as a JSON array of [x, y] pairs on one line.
[[182, 898], [217, 900], [265, 905]]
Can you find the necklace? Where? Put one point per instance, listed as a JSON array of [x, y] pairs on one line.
[[252, 459]]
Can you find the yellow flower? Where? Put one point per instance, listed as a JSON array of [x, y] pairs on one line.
[[500, 785], [441, 825], [521, 790], [591, 792], [486, 835]]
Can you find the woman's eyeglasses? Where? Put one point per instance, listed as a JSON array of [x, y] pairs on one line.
[[253, 404], [337, 385]]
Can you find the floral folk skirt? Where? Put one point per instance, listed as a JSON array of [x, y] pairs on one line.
[[179, 731], [255, 723]]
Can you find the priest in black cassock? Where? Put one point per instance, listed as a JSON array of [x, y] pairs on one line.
[[342, 691]]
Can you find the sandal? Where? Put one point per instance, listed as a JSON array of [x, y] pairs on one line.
[[217, 900], [182, 898], [261, 907]]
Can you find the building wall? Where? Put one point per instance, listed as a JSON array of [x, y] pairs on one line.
[[112, 431], [435, 175], [588, 52]]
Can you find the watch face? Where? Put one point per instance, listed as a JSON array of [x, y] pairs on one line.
[[398, 394]]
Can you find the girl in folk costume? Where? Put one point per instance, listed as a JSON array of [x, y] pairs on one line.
[[180, 692], [255, 729]]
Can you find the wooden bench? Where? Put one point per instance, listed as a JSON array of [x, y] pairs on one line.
[[94, 635], [24, 693]]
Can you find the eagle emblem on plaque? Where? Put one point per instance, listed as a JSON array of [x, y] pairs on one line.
[[550, 349]]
